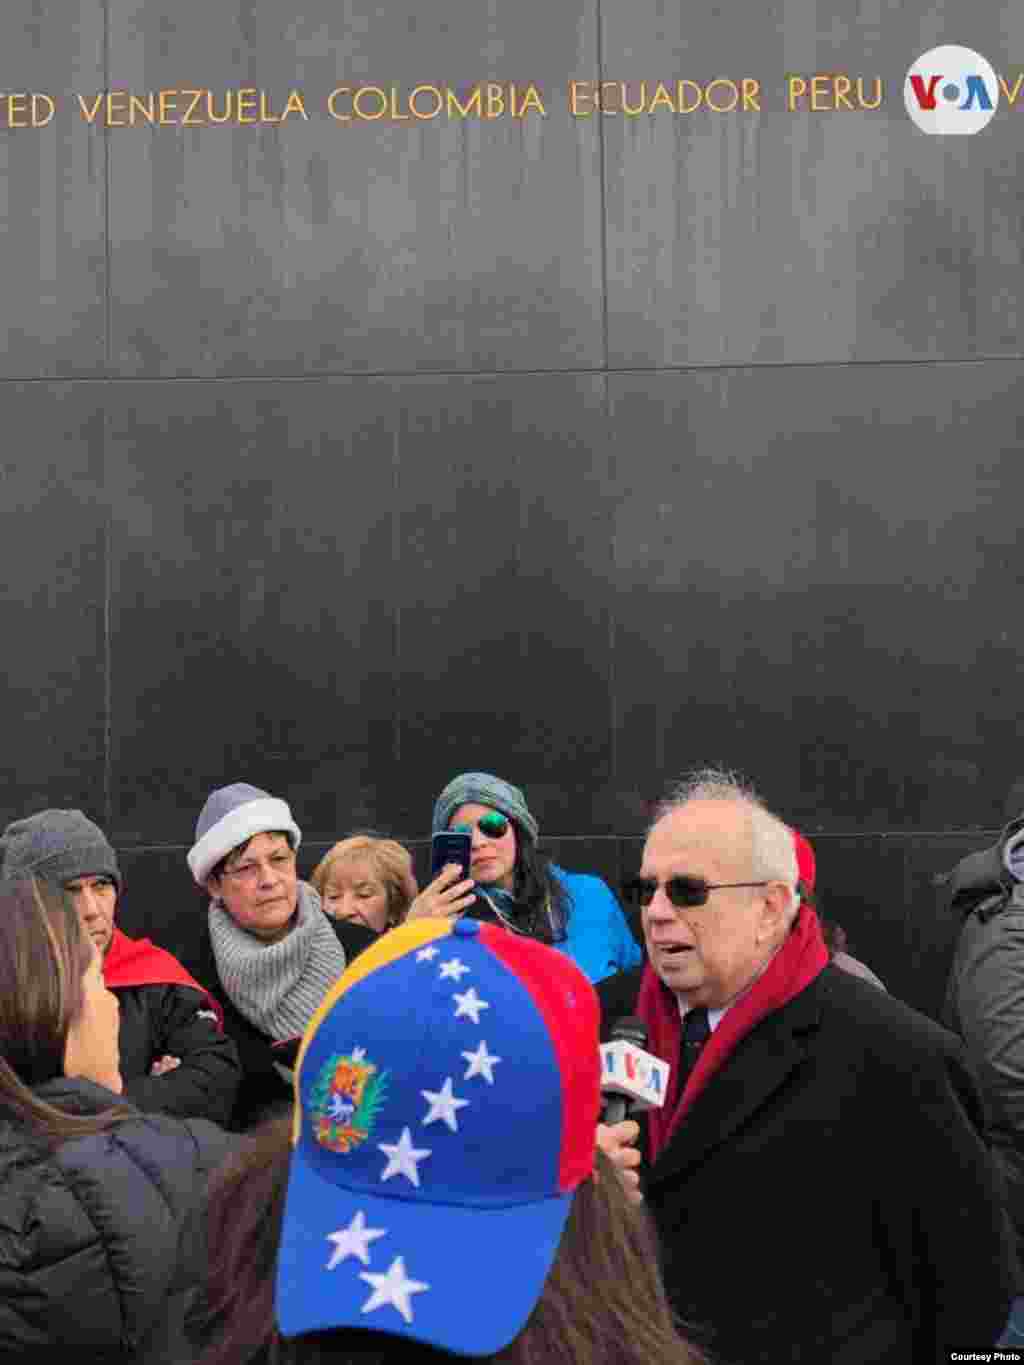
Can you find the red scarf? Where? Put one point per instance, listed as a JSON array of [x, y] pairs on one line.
[[139, 962], [794, 966]]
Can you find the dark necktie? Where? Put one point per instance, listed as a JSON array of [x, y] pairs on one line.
[[696, 1032]]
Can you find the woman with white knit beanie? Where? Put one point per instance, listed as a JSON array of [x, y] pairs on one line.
[[272, 951]]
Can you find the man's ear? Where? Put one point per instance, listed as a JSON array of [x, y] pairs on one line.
[[775, 912], [212, 885]]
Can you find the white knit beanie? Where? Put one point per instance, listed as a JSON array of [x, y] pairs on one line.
[[232, 815]]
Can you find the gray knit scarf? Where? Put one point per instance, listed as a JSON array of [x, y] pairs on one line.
[[277, 986]]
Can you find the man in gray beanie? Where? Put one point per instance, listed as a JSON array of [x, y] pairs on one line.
[[64, 847], [175, 1057]]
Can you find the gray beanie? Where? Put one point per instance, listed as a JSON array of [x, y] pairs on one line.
[[58, 846], [484, 790], [232, 816]]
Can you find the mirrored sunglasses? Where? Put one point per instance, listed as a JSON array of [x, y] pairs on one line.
[[492, 825]]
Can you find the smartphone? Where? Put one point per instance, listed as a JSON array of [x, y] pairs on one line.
[[450, 846]]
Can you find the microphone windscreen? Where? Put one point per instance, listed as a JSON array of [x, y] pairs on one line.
[[627, 1068], [630, 1029]]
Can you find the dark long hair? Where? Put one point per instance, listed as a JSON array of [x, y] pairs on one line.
[[541, 899], [44, 955], [603, 1302]]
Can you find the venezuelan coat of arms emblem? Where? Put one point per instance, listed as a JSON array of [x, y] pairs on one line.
[[346, 1096]]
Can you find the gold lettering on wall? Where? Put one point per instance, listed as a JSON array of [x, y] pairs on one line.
[[429, 111], [332, 107], [117, 105], [90, 114], [484, 100], [472, 105], [142, 107], [827, 92], [28, 109], [531, 102], [426, 102], [187, 107], [634, 98], [194, 98]]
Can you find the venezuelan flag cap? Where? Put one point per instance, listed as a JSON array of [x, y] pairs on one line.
[[447, 1097]]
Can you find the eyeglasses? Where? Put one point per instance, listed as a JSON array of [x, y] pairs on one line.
[[683, 892], [249, 872], [492, 825]]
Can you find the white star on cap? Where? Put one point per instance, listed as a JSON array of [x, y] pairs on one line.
[[427, 954], [443, 1105], [403, 1158], [393, 1288], [353, 1241], [480, 1063], [454, 968], [358, 1054], [470, 1005]]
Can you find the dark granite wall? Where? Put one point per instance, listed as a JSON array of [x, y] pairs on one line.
[[342, 457]]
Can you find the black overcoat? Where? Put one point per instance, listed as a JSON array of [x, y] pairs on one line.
[[830, 1197]]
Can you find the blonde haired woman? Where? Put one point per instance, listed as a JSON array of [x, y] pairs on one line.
[[366, 879]]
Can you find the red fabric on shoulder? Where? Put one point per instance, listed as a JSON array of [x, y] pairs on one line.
[[139, 962], [798, 962]]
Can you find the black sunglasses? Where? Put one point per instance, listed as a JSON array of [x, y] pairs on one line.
[[492, 824], [682, 892]]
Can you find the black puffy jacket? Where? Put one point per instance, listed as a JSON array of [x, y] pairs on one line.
[[176, 1020], [101, 1239]]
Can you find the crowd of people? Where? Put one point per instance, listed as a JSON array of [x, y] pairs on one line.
[[371, 1118]]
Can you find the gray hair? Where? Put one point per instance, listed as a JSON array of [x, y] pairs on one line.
[[772, 850]]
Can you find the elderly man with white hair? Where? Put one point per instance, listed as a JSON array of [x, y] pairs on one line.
[[818, 1175]]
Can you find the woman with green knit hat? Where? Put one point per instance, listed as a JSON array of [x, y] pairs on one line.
[[519, 887]]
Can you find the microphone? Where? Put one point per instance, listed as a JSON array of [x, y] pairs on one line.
[[631, 1079]]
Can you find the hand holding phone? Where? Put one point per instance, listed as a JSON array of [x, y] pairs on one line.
[[450, 891], [447, 896]]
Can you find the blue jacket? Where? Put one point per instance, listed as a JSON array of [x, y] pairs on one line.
[[599, 939]]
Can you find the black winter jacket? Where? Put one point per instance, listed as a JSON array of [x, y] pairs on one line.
[[101, 1239], [176, 1020], [265, 1088], [985, 1000]]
